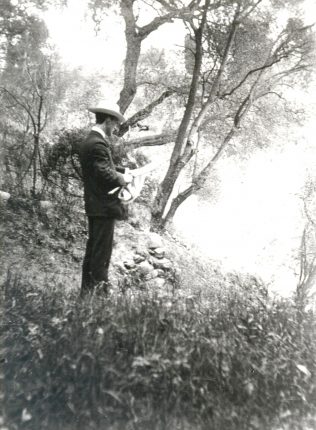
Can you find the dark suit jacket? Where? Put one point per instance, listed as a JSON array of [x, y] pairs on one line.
[[99, 177]]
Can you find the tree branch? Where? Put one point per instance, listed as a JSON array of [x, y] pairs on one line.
[[145, 31], [176, 202], [246, 14], [23, 106], [144, 113], [211, 97], [174, 12], [160, 139], [251, 72], [183, 129]]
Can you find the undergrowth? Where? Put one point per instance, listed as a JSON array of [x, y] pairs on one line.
[[135, 360]]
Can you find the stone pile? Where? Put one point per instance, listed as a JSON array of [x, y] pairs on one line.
[[149, 263], [4, 197]]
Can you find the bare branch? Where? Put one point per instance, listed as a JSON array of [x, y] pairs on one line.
[[145, 31], [251, 72], [143, 113], [193, 88], [157, 140], [176, 202], [247, 13], [214, 89], [175, 12], [22, 105]]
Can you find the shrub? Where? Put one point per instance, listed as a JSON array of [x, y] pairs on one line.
[[138, 361]]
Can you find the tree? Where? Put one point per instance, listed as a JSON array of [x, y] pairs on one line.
[[239, 62], [307, 252], [30, 89], [277, 62]]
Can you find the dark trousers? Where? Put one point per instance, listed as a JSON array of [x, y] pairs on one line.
[[98, 253]]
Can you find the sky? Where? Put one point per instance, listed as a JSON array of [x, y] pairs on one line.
[[78, 45], [256, 223]]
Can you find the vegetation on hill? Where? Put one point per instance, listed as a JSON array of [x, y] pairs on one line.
[[203, 352]]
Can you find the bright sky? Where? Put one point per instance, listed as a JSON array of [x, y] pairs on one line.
[[256, 223], [79, 46]]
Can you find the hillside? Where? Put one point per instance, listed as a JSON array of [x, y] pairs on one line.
[[48, 244], [176, 345]]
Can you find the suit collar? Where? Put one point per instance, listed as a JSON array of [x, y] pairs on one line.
[[98, 130]]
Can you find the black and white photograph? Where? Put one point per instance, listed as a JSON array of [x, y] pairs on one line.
[[157, 214]]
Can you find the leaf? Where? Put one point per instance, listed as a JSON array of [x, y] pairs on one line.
[[303, 369]]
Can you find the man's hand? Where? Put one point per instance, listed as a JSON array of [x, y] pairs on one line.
[[127, 177]]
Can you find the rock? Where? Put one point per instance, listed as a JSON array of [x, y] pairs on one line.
[[4, 197], [139, 258], [157, 283], [145, 268], [153, 274], [141, 251], [120, 268], [163, 264], [161, 273], [129, 264], [77, 254], [158, 252], [155, 241]]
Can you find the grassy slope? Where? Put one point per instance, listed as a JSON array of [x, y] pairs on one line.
[[203, 357]]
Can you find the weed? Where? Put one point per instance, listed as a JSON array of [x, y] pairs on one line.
[[135, 360]]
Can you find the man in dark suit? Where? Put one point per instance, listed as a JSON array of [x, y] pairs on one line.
[[99, 177]]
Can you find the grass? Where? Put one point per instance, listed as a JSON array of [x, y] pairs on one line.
[[134, 360]]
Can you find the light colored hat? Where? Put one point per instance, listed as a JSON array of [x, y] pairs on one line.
[[109, 109]]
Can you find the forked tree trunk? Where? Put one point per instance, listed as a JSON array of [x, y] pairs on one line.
[[177, 161], [182, 152], [133, 47]]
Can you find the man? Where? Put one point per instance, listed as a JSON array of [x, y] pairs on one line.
[[99, 177]]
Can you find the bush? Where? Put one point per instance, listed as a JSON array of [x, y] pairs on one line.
[[139, 361]]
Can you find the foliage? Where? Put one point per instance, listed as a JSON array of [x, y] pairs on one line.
[[34, 227], [37, 92], [61, 167], [136, 360], [238, 59], [307, 257]]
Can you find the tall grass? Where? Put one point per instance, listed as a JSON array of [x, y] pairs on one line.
[[135, 360]]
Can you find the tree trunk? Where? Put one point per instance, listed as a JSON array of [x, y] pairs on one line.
[[199, 181], [35, 156], [134, 36], [129, 89], [178, 159], [144, 112], [182, 148], [155, 140]]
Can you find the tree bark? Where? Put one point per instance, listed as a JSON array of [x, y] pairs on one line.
[[134, 36], [143, 113], [176, 162], [200, 180], [182, 147], [133, 47], [157, 140], [214, 89]]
